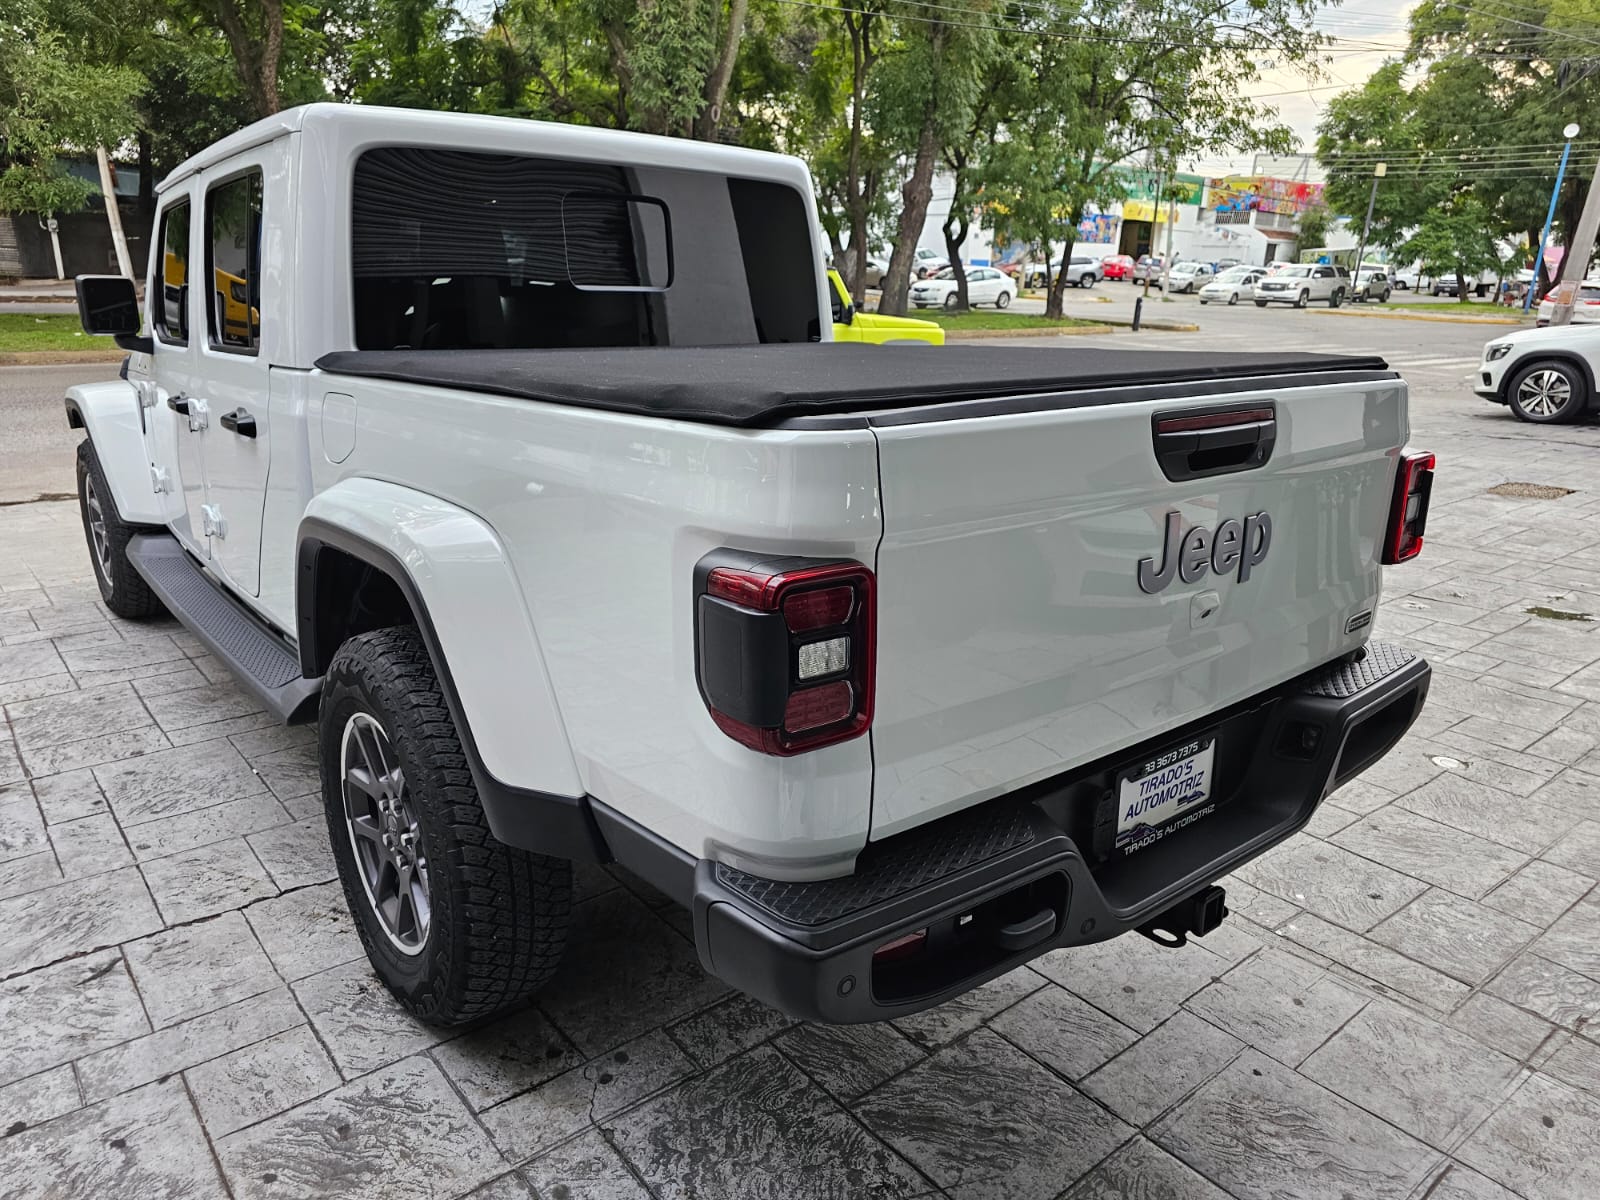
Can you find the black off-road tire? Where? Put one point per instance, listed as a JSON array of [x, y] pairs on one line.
[[499, 915], [123, 589]]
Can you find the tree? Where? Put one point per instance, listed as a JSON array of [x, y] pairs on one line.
[[53, 102], [1454, 238], [1112, 82]]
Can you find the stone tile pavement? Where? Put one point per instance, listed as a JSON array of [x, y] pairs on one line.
[[1406, 1003]]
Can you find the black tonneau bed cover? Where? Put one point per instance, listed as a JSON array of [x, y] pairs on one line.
[[769, 385]]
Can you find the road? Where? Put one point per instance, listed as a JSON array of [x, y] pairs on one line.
[[1437, 358]]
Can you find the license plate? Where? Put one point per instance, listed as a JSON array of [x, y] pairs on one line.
[[1165, 794]]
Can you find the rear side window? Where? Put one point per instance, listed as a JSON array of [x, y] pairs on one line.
[[233, 252], [465, 250], [170, 313]]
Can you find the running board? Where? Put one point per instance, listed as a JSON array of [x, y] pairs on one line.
[[263, 663]]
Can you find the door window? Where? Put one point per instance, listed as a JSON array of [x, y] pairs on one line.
[[233, 251], [170, 313]]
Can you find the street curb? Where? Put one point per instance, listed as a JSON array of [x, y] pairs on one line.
[[1393, 315], [48, 358], [66, 302], [977, 335], [1155, 323]]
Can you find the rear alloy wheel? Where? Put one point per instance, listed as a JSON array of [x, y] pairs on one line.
[[1303, 299], [1087, 281], [457, 924], [1336, 299], [1548, 393], [1003, 299]]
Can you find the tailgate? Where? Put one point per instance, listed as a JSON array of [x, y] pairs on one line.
[[1015, 638]]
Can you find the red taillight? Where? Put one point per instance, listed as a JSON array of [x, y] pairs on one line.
[[1408, 511], [901, 947], [785, 650]]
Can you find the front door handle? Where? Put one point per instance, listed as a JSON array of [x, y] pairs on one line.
[[178, 404], [240, 422]]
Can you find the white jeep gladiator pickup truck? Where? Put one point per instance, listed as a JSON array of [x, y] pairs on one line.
[[516, 457]]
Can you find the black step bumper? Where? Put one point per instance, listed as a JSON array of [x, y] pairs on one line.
[[1026, 874]]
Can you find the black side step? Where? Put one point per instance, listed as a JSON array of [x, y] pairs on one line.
[[262, 661]]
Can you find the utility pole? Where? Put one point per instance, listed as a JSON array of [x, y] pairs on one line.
[[1155, 210], [1576, 262], [113, 213], [1570, 132], [1378, 172], [1166, 259]]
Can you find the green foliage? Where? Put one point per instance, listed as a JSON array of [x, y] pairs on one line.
[[52, 102], [1454, 238]]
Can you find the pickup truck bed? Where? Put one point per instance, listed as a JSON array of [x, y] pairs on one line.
[[763, 386]]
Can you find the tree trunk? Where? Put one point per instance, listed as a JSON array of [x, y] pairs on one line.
[[915, 195], [1461, 286], [709, 121], [955, 234], [108, 190], [255, 54], [1058, 286]]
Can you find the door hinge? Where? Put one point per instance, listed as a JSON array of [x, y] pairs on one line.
[[212, 521], [199, 414], [160, 481]]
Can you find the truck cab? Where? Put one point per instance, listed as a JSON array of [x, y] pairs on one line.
[[519, 460]]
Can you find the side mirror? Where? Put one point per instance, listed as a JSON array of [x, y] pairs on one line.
[[848, 314], [108, 305]]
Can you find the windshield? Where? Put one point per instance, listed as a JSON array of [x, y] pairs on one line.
[[1233, 275], [1296, 272]]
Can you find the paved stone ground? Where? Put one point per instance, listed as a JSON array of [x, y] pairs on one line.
[[1404, 1005]]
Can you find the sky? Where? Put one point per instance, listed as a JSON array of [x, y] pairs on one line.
[[1367, 32]]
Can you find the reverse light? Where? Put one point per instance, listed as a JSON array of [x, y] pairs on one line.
[[784, 649], [1408, 511]]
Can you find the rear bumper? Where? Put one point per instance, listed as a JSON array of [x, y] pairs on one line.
[[1033, 872]]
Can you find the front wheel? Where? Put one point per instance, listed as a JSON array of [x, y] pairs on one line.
[[1303, 299], [1087, 281], [123, 589], [1548, 393], [951, 301], [456, 924], [1233, 299], [1336, 299], [1261, 303], [1003, 299]]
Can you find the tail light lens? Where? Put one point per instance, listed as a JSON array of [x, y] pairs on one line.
[[1408, 512], [784, 649]]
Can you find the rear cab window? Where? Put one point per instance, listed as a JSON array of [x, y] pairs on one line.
[[233, 264], [170, 314], [471, 250]]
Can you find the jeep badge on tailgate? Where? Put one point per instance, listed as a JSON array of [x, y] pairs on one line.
[[1190, 555]]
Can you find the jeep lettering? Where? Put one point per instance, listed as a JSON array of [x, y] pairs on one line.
[[1190, 555]]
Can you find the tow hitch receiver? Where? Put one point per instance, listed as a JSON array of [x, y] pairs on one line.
[[1199, 915]]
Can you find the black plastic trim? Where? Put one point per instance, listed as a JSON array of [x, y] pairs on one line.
[[1299, 743], [927, 414], [544, 822]]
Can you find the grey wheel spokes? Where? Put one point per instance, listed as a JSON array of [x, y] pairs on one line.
[[98, 540], [1544, 393], [384, 836]]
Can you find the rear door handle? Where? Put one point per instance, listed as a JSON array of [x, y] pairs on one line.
[[178, 404], [240, 422]]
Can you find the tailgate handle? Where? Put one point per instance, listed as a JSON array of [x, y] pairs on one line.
[[1214, 441], [1019, 935]]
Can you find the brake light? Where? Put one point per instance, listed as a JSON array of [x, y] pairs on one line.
[[1408, 511], [784, 649]]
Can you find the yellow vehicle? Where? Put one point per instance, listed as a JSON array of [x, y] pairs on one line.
[[849, 325], [239, 320]]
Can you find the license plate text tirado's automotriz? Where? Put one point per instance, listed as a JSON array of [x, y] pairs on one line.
[[1165, 794]]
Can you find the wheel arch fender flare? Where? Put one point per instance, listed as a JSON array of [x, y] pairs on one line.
[[473, 616], [109, 413], [1566, 358]]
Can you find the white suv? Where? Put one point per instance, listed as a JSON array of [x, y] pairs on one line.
[[1301, 283]]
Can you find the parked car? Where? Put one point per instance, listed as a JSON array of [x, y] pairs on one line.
[[1585, 307], [850, 324], [1410, 279], [1543, 375], [1372, 283], [1446, 285], [1187, 276], [1234, 282], [874, 272], [927, 263], [985, 285], [1301, 283], [1033, 274], [1117, 266], [1147, 268], [607, 564]]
